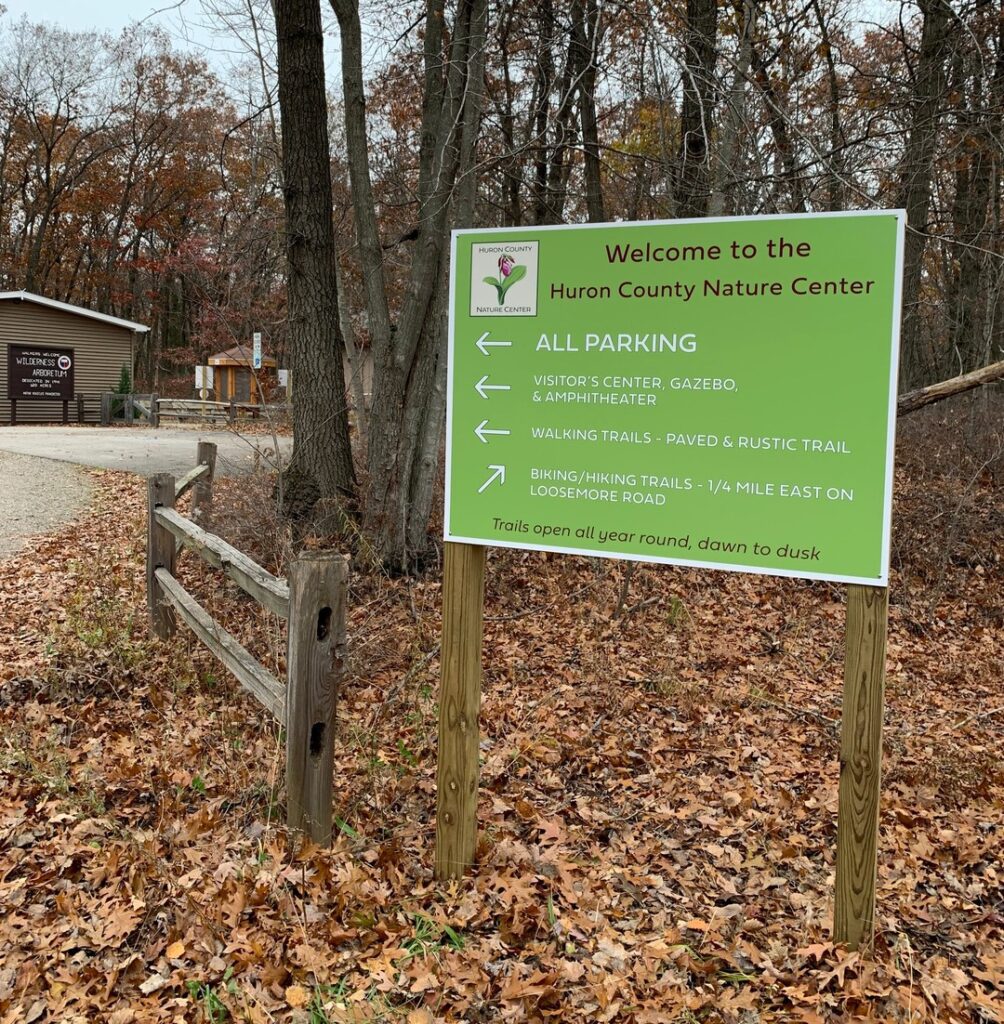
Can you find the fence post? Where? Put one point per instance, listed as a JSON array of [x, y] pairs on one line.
[[232, 412], [80, 408], [129, 412], [160, 553], [317, 607], [106, 408], [154, 416], [202, 492]]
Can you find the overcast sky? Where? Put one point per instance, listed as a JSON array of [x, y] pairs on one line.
[[185, 20], [111, 15]]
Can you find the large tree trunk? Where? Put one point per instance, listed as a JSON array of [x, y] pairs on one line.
[[321, 463], [915, 180]]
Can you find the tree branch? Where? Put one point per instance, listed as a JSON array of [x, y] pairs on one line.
[[914, 400]]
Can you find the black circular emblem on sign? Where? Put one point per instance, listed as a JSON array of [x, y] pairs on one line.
[[65, 362]]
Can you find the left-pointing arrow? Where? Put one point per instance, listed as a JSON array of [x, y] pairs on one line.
[[481, 430], [483, 387], [498, 474], [485, 345]]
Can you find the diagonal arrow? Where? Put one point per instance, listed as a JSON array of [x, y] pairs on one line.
[[499, 475], [482, 429], [484, 344], [481, 387]]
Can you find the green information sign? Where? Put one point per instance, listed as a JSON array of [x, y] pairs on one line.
[[714, 393]]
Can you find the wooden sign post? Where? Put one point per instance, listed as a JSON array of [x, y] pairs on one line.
[[860, 744], [860, 765], [459, 707]]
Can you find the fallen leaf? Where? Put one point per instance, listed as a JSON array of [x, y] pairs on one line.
[[297, 996]]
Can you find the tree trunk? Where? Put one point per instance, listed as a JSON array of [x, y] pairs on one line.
[[406, 420], [694, 189], [977, 176], [321, 463], [727, 162], [915, 180], [835, 162], [779, 119], [585, 43]]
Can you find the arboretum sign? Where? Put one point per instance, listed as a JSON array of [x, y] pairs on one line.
[[39, 372], [714, 393]]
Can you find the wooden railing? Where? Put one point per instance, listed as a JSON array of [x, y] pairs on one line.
[[313, 601], [130, 406], [153, 409]]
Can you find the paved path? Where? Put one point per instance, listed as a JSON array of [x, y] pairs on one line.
[[42, 486], [35, 497], [139, 449]]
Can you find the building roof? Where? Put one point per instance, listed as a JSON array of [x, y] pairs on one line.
[[78, 310], [239, 355]]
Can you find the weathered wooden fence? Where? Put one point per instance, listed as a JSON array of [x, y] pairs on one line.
[[130, 406], [313, 601], [154, 409]]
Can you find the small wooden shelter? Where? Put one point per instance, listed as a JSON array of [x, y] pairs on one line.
[[235, 379]]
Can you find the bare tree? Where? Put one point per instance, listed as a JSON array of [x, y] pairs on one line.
[[406, 421]]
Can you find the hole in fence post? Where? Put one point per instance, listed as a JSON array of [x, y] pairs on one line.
[[323, 623], [316, 739]]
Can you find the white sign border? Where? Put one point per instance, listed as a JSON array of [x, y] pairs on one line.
[[882, 580]]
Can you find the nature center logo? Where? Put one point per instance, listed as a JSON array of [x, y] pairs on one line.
[[504, 278]]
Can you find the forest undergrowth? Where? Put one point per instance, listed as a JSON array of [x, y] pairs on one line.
[[657, 814]]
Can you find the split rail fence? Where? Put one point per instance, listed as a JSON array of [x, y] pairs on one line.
[[313, 601], [153, 409]]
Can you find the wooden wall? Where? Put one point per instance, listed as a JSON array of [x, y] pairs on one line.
[[100, 351]]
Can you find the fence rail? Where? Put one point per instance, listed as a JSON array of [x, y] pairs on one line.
[[153, 409], [313, 601]]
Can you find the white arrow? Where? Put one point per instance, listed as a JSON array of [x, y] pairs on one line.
[[482, 429], [481, 387], [499, 475], [484, 344]]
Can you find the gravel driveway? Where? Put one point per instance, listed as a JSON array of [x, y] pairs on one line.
[[139, 449], [36, 495], [41, 485]]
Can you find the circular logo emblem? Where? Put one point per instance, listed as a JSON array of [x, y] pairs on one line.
[[64, 362]]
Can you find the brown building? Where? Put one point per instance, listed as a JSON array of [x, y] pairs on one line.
[[51, 352]]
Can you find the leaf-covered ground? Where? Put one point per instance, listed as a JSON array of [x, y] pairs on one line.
[[658, 799]]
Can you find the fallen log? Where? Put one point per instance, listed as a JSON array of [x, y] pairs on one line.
[[914, 400]]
